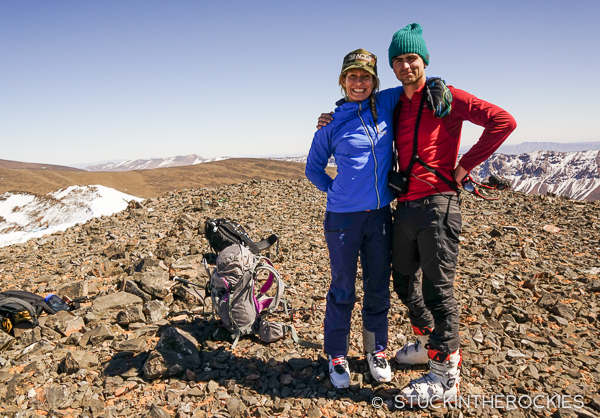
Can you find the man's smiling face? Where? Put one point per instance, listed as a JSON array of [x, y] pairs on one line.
[[409, 68]]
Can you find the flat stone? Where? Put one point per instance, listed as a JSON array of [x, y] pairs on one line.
[[314, 413], [30, 336], [155, 310], [593, 286], [157, 412], [559, 319], [491, 372], [189, 267], [97, 335], [76, 360], [135, 345], [134, 289], [154, 282], [55, 396], [131, 314], [73, 290], [298, 364], [547, 300], [115, 300], [65, 323], [551, 228], [564, 311], [175, 352], [6, 340]]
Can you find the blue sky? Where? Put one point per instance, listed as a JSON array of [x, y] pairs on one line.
[[88, 81]]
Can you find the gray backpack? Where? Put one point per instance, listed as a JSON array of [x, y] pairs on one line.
[[237, 298]]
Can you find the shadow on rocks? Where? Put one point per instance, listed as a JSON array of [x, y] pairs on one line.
[[196, 352]]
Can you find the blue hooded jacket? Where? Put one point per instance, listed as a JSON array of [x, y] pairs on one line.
[[363, 155]]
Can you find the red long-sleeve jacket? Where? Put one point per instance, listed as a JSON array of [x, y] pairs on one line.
[[439, 139]]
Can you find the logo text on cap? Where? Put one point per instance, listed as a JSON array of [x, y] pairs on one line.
[[361, 57]]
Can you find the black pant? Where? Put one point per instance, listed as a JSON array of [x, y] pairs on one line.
[[425, 237]]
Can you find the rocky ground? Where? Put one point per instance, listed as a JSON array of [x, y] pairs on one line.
[[142, 346]]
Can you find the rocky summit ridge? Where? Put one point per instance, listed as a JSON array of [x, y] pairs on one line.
[[142, 346]]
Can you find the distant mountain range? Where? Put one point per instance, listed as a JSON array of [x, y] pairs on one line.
[[526, 147], [569, 169], [149, 164], [193, 159]]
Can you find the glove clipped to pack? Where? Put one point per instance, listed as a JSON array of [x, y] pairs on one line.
[[438, 97]]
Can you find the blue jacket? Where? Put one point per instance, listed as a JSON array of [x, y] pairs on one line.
[[362, 153]]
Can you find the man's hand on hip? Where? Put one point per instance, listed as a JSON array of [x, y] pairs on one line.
[[459, 175]]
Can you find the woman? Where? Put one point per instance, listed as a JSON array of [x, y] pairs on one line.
[[358, 218]]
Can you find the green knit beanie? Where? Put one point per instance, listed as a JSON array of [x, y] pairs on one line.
[[409, 39]]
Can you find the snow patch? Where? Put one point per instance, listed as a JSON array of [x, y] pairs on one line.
[[24, 216]]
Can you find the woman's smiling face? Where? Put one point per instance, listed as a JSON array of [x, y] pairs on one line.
[[358, 84]]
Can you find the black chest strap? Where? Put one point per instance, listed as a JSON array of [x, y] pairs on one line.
[[415, 156]]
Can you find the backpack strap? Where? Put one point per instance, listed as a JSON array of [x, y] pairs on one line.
[[300, 341], [415, 156], [268, 242], [238, 334], [271, 303], [15, 305]]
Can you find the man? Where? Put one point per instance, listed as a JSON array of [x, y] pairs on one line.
[[427, 222]]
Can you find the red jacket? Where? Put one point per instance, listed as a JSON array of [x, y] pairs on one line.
[[439, 139]]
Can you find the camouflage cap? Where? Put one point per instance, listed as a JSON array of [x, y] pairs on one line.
[[360, 58]]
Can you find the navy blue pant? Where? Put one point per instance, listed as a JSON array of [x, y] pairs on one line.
[[367, 234]]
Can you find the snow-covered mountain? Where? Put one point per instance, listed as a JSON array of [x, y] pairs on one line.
[[572, 174], [24, 216], [526, 147], [148, 164], [302, 159]]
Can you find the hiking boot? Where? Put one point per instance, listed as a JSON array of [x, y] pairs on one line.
[[379, 366], [414, 353], [441, 384], [339, 373]]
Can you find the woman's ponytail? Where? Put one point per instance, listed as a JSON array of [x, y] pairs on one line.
[[374, 109]]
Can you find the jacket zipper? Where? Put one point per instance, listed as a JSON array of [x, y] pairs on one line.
[[373, 149]]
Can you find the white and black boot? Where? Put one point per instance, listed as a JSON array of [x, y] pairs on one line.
[[441, 384], [379, 366], [339, 372], [414, 353]]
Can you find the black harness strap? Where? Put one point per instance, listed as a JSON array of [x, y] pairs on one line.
[[415, 157]]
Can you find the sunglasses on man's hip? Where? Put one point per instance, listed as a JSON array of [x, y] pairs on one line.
[[468, 185]]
